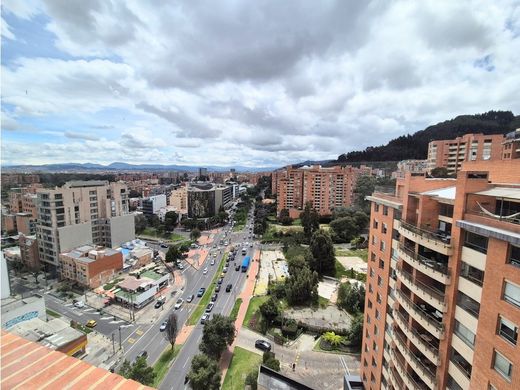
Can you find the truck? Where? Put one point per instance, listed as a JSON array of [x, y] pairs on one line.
[[245, 263]]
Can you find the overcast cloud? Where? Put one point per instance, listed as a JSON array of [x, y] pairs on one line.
[[262, 83]]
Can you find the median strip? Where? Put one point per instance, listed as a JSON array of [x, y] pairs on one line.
[[204, 300]]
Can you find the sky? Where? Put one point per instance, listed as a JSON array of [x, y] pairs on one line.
[[257, 84]]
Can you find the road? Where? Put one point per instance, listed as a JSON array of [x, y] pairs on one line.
[[224, 304]]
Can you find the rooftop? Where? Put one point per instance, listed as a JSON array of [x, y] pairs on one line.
[[444, 193], [53, 334], [12, 303], [132, 283], [273, 380], [151, 275], [28, 365], [502, 192]]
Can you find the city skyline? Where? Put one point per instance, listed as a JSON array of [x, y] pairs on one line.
[[275, 85]]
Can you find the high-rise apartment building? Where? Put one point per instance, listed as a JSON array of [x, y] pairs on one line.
[[442, 307], [450, 154], [324, 187], [179, 199], [511, 145], [79, 213]]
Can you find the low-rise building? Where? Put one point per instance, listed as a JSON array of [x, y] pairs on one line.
[[141, 289], [16, 309], [90, 266], [153, 204], [26, 223]]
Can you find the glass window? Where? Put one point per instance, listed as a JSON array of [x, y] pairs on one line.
[[476, 242], [384, 228], [381, 264], [514, 255], [375, 224], [385, 210], [512, 293], [452, 384], [462, 363], [376, 207], [472, 274], [468, 304], [502, 365], [507, 330], [382, 246], [465, 334]]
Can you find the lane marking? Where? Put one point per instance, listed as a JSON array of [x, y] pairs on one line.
[[130, 340]]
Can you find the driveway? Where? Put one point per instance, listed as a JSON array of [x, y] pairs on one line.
[[318, 370]]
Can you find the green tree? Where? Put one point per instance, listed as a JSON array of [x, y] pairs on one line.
[[140, 222], [310, 220], [252, 379], [154, 221], [204, 373], [439, 172], [322, 250], [195, 234], [351, 297], [269, 360], [284, 217], [170, 220], [173, 254], [344, 229], [218, 333], [355, 333], [332, 338], [270, 309], [297, 263], [139, 371], [302, 288], [172, 328], [365, 185]]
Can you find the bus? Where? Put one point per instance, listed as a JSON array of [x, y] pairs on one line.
[[245, 263]]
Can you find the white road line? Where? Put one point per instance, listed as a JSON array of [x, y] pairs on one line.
[[106, 318]]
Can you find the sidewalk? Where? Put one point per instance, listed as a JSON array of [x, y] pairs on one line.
[[246, 295]]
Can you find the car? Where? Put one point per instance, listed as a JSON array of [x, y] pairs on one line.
[[179, 303], [229, 287], [217, 288], [214, 254], [190, 298], [163, 246], [225, 269], [237, 268], [263, 345], [141, 354], [205, 271], [158, 304], [201, 292], [210, 307], [212, 262], [91, 323], [214, 297], [163, 326], [251, 245], [181, 266], [79, 304], [220, 280], [205, 317]]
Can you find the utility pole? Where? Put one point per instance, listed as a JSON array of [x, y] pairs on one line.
[[113, 345], [120, 346]]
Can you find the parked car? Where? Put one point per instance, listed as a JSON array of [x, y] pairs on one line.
[[179, 303], [225, 269], [201, 292], [214, 297], [205, 317], [237, 267], [229, 287], [163, 326], [263, 345], [190, 298], [205, 271], [210, 307], [142, 354], [212, 262], [158, 304], [164, 246], [79, 304], [220, 280], [217, 288], [91, 323]]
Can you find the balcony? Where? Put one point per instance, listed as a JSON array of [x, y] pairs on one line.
[[421, 315], [435, 269], [396, 380], [429, 294], [409, 380], [422, 341], [434, 240], [421, 365]]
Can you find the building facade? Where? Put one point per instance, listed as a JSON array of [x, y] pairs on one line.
[[29, 253], [179, 199], [79, 213], [324, 187], [442, 308], [450, 154], [153, 204], [511, 145]]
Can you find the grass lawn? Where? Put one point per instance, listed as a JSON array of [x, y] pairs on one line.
[[340, 270], [254, 304], [149, 231], [203, 302], [52, 313], [177, 237], [236, 308], [238, 227], [242, 363], [163, 364], [362, 253]]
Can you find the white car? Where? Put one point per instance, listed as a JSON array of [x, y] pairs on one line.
[[179, 303], [79, 304], [205, 271], [212, 262]]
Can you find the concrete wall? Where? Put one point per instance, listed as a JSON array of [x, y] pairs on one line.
[[122, 229], [75, 235]]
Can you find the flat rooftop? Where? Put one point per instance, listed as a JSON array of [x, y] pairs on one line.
[[53, 334], [12, 303]]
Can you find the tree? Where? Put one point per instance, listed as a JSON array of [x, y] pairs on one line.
[[139, 371], [154, 221], [322, 250], [310, 220], [170, 220], [344, 229], [439, 172], [284, 217], [365, 185], [195, 234], [170, 333], [332, 338], [140, 222], [302, 288], [351, 297], [269, 360], [297, 263], [270, 309], [355, 333], [252, 379], [173, 254], [204, 373], [218, 333]]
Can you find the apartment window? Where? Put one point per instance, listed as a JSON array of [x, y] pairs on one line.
[[378, 298], [368, 317], [370, 290], [462, 363], [512, 293], [376, 207], [372, 273], [502, 365], [374, 240], [377, 314], [514, 255], [374, 346], [468, 304], [381, 264], [507, 330], [375, 224], [476, 242], [379, 281], [382, 246], [369, 304], [372, 256], [472, 274], [465, 334], [384, 228], [452, 384], [376, 330], [385, 210]]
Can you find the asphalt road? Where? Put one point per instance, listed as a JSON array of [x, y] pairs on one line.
[[224, 304]]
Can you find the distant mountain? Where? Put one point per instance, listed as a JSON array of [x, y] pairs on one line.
[[120, 166], [415, 146]]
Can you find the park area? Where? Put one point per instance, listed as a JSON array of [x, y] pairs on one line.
[[242, 364]]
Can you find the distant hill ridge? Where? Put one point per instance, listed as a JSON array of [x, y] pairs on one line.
[[415, 146]]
